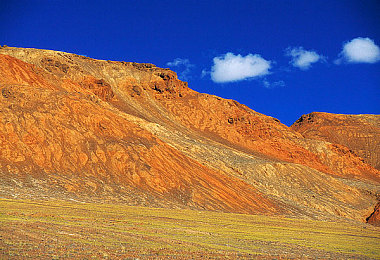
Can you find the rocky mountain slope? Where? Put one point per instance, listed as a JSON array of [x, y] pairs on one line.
[[73, 127]]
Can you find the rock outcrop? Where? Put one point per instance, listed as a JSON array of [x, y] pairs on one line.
[[78, 128], [374, 218]]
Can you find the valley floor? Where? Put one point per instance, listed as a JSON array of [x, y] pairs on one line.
[[55, 229]]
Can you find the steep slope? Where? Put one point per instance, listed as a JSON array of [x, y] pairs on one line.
[[360, 133], [135, 133]]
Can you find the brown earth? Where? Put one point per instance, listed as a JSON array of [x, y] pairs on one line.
[[76, 127]]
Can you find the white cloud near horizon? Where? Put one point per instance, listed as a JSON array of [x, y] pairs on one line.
[[183, 66], [359, 50], [302, 58], [230, 67]]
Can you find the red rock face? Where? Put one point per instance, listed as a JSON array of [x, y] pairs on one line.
[[75, 127]]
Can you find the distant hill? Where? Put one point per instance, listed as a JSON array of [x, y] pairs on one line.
[[360, 133], [72, 127]]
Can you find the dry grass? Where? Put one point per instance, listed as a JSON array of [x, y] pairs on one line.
[[62, 229]]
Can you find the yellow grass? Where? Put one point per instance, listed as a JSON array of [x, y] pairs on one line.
[[56, 229]]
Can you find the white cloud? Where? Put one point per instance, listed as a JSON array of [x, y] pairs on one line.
[[302, 58], [359, 50], [182, 66], [230, 67]]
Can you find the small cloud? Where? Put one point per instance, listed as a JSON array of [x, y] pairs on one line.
[[279, 83], [230, 67], [274, 84], [266, 83], [302, 58], [183, 68], [205, 73], [178, 62], [359, 50]]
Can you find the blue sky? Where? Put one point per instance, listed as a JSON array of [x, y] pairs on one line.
[[280, 58]]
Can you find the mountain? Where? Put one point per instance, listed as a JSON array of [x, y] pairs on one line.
[[76, 128]]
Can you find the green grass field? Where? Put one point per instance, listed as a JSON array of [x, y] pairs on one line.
[[62, 229]]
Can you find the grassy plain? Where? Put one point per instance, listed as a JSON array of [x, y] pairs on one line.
[[62, 229]]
